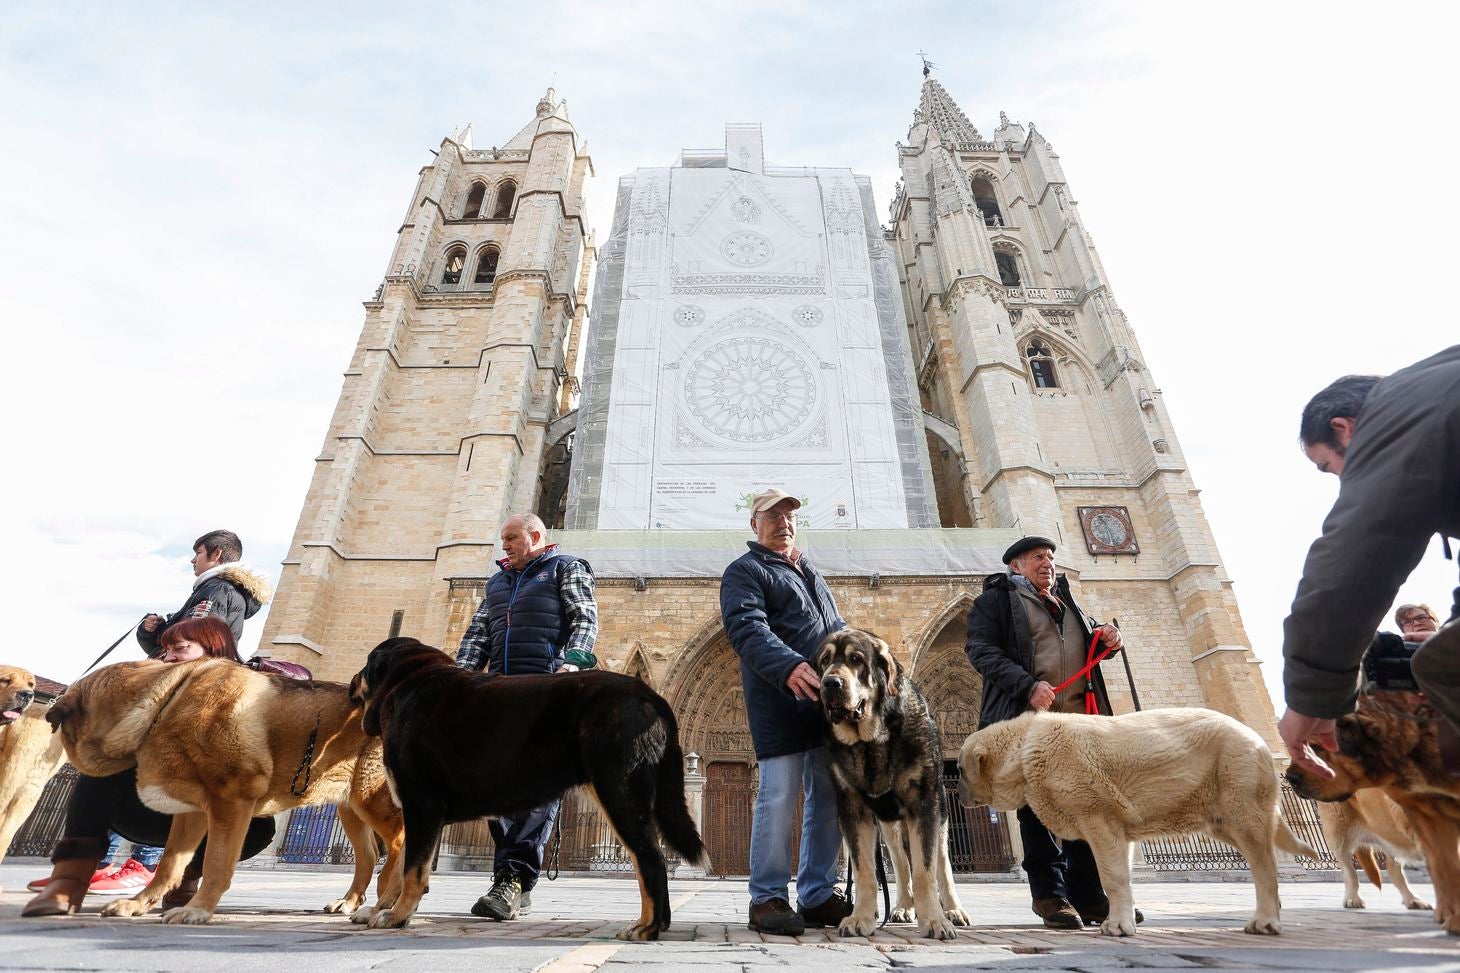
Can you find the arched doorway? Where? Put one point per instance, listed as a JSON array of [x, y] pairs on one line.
[[978, 837], [703, 687]]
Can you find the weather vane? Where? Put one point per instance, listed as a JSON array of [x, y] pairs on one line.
[[928, 66]]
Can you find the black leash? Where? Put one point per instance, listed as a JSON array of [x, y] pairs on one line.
[[112, 647], [1129, 676], [552, 869], [305, 767]]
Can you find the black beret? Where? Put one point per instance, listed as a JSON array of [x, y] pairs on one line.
[[1026, 544]]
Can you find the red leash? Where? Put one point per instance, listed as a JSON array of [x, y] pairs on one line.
[[1092, 706]]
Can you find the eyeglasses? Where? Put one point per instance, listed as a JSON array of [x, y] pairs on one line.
[[789, 518], [1416, 620]]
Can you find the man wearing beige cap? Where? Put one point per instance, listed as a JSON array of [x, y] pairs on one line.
[[777, 611]]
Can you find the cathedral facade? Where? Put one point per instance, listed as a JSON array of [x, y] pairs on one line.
[[932, 389]]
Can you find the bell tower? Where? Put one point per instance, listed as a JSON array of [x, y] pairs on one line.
[[1041, 412], [442, 425]]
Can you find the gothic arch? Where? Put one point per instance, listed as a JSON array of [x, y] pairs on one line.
[[983, 172], [953, 687], [703, 687], [1071, 360], [637, 665], [956, 609]]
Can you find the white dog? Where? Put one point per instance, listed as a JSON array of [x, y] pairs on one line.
[[1111, 780]]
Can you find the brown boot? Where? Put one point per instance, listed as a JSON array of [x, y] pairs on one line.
[[72, 864], [1057, 913], [185, 890]]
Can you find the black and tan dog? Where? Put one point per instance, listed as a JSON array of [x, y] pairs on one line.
[[886, 758], [461, 745]]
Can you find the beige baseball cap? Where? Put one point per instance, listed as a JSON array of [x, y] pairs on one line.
[[767, 499]]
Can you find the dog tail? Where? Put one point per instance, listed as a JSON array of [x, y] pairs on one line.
[[1370, 865], [1291, 843], [671, 812]]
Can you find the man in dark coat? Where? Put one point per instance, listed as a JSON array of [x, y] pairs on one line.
[[777, 611], [1394, 444], [538, 616], [221, 586], [1026, 638]]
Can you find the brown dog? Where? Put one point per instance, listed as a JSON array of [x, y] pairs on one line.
[[1355, 828], [29, 755], [1394, 746], [216, 744]]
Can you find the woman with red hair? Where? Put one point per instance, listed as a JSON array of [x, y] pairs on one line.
[[100, 805]]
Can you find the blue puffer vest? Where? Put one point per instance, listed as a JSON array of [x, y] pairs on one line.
[[532, 640]]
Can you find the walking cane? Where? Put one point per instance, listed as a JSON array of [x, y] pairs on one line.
[[1129, 677]]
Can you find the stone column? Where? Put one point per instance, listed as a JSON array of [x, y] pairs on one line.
[[694, 797]]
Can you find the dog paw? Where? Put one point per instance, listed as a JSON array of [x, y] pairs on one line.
[[938, 927], [389, 920], [1263, 926], [638, 933], [362, 915], [348, 904], [1113, 926], [186, 915], [126, 907], [958, 917], [855, 925], [1418, 905], [1354, 902], [903, 913]]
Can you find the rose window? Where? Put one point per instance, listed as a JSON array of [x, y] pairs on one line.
[[746, 249], [750, 389], [689, 315], [807, 315]]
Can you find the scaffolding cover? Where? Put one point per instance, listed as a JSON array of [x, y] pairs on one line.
[[748, 332], [973, 552]]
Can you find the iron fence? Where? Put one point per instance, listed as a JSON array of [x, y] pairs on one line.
[[1197, 852], [38, 835]]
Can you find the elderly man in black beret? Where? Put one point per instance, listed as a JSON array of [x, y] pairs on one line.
[[1027, 637]]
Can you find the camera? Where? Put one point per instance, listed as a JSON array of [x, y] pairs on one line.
[[1387, 664]]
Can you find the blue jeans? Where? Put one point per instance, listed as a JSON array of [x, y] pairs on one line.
[[781, 782], [148, 855], [521, 840]]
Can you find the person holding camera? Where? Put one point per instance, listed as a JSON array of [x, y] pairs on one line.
[[1394, 444]]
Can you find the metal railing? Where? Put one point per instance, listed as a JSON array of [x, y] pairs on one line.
[[1197, 852]]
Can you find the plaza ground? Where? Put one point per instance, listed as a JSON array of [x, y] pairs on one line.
[[269, 922]]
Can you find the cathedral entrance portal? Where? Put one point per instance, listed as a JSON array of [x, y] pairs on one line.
[[978, 837]]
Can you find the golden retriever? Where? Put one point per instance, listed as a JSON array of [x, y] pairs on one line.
[[29, 754]]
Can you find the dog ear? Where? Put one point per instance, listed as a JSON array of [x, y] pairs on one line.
[[889, 664], [61, 710]]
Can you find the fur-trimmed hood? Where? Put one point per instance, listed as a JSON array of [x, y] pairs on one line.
[[253, 584]]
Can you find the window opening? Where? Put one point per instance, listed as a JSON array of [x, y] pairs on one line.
[[486, 266], [455, 261], [474, 200], [1041, 365], [505, 195]]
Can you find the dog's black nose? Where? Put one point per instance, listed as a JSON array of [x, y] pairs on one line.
[[833, 684], [24, 697]]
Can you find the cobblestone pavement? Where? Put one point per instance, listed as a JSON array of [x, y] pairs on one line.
[[265, 924]]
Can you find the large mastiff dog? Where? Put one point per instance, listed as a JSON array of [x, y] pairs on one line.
[[29, 754], [1111, 780], [886, 758], [216, 744], [461, 745], [1395, 747]]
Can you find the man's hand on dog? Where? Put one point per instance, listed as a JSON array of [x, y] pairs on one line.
[[1297, 729], [803, 682], [1041, 697]]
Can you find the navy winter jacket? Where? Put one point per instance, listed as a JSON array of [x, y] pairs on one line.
[[534, 633], [776, 617]]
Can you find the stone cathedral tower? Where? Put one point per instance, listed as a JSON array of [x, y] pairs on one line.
[[1041, 412], [442, 425]]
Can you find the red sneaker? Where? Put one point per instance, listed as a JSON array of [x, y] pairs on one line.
[[130, 879], [105, 871]]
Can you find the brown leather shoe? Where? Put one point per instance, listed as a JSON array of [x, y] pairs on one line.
[[775, 916], [1057, 913], [829, 913]]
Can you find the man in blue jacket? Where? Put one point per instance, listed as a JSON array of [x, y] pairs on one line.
[[538, 616], [777, 611]]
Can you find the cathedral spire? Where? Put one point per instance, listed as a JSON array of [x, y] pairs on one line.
[[938, 110]]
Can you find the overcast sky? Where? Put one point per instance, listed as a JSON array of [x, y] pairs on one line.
[[195, 199]]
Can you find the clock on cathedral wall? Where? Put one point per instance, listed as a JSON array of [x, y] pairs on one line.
[[1108, 530]]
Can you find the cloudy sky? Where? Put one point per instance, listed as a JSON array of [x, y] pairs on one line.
[[195, 199]]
